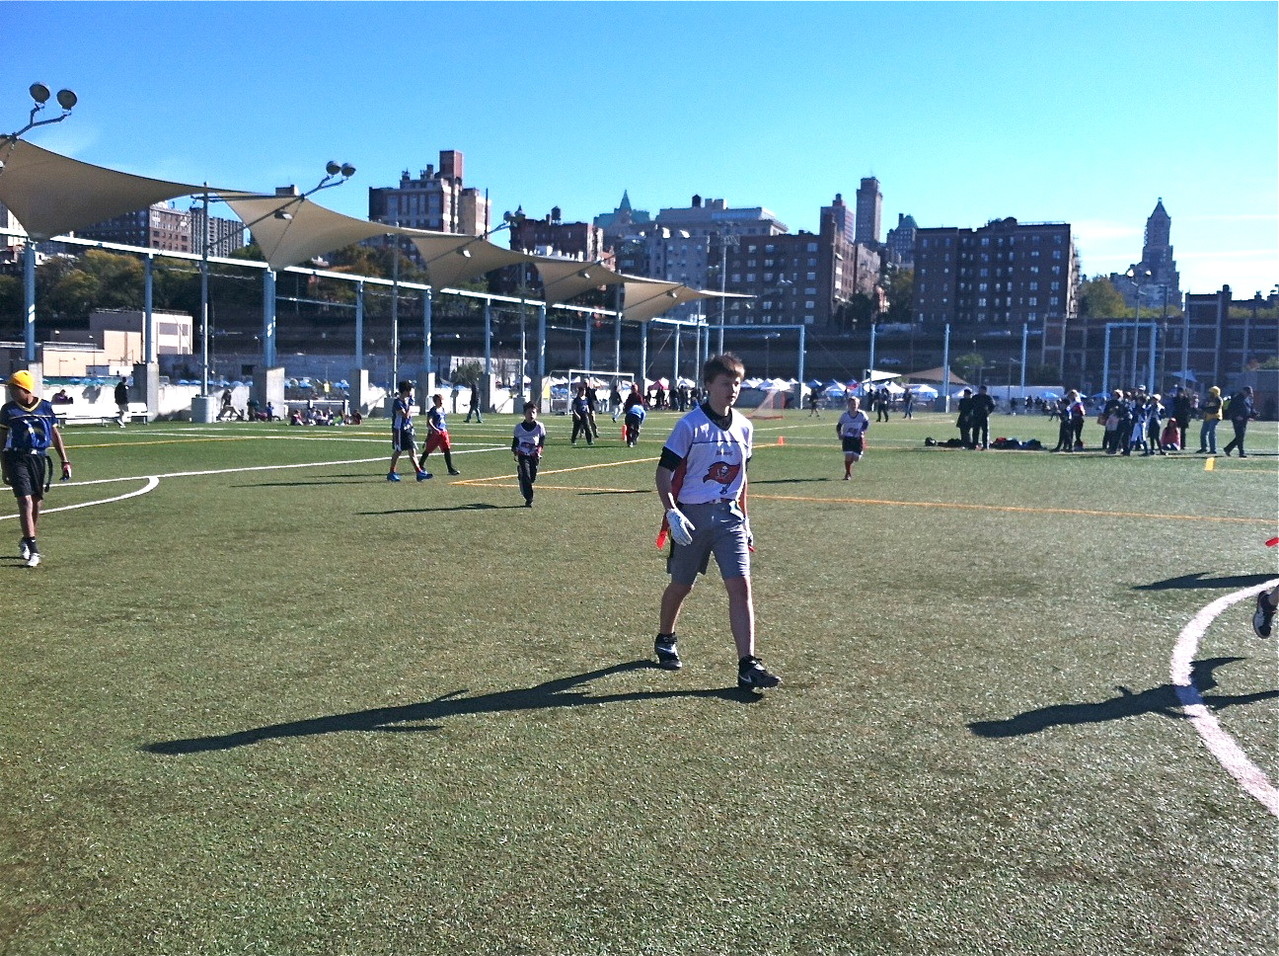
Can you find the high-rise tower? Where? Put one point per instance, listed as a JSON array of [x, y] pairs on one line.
[[870, 206]]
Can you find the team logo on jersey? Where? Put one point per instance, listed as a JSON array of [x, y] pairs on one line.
[[722, 472]]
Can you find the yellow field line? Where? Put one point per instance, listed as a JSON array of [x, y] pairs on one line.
[[1012, 508]]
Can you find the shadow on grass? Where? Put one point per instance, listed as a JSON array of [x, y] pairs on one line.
[[1197, 580], [551, 694], [1158, 700], [469, 506]]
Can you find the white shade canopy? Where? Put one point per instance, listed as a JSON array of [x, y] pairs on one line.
[[52, 195], [292, 229], [562, 279], [451, 259]]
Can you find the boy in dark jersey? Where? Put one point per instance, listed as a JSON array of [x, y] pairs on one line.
[[701, 481], [403, 440], [28, 428]]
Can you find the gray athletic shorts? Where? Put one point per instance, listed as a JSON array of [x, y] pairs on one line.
[[718, 529]]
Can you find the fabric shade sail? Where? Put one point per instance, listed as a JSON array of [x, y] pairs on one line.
[[562, 279], [647, 299], [292, 229], [51, 194], [451, 259]]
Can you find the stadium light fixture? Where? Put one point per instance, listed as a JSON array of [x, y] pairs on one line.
[[40, 95]]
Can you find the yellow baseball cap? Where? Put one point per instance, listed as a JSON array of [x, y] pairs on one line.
[[22, 379]]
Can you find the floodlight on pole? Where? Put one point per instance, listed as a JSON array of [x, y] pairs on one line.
[[8, 141], [332, 170]]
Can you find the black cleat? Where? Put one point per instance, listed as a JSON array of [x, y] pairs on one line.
[[752, 675], [667, 653]]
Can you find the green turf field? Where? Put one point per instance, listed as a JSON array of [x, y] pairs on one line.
[[272, 704]]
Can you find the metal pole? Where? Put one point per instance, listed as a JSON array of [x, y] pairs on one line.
[[488, 347], [1025, 332], [29, 299], [617, 341], [427, 304], [873, 329], [268, 319], [1154, 382], [204, 299], [945, 368], [675, 363], [586, 353], [395, 316], [1105, 362], [541, 354], [359, 325], [148, 309], [1185, 342], [643, 369], [800, 360]]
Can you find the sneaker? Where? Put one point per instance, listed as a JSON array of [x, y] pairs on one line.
[[1263, 617], [33, 559], [24, 549], [392, 476], [454, 471], [752, 674], [423, 475], [667, 654]]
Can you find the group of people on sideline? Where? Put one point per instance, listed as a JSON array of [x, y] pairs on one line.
[[1134, 421]]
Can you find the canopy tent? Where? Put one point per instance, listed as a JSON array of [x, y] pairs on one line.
[[52, 194], [874, 375], [920, 390], [934, 375]]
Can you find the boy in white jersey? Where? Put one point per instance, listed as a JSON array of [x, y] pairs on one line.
[[403, 440], [701, 481], [526, 446], [851, 428]]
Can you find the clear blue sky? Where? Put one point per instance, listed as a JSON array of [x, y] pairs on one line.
[[1078, 112]]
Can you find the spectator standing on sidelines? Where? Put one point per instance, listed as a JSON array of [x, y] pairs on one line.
[[403, 438], [437, 434], [1212, 418], [122, 400], [701, 482], [814, 403], [908, 404], [28, 429], [965, 420], [527, 447], [634, 419], [983, 405], [473, 408], [1241, 411], [1154, 425], [851, 429], [1181, 413]]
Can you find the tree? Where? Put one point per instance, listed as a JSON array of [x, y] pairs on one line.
[[900, 290], [968, 364], [469, 373], [1099, 299]]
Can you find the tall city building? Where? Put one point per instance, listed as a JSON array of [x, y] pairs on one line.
[[900, 244], [623, 219], [158, 226], [436, 201], [843, 219], [870, 208], [1155, 277], [551, 236], [1003, 273]]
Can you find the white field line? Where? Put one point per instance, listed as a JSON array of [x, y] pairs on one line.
[[1222, 746], [153, 481]]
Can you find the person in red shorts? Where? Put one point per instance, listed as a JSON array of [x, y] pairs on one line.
[[437, 434]]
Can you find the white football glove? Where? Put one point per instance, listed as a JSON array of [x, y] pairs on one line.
[[681, 528]]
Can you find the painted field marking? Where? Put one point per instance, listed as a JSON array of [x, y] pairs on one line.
[[1222, 746]]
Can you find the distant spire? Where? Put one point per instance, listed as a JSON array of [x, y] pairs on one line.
[[626, 201]]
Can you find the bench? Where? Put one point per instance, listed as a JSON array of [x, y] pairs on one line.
[[68, 415]]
